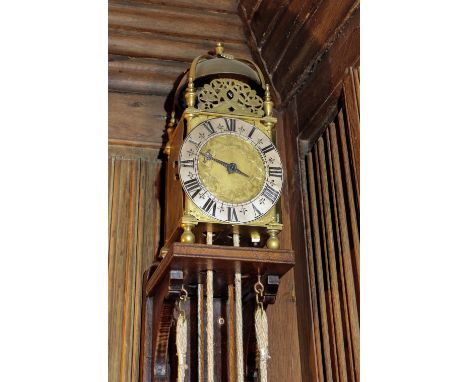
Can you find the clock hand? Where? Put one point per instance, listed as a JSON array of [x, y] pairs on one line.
[[242, 173], [209, 156], [231, 167]]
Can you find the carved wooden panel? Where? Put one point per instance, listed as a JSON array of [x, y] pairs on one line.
[[134, 216]]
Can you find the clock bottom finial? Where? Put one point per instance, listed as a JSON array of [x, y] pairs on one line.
[[273, 241], [187, 224]]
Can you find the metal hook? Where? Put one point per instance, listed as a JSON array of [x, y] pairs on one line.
[[259, 289]]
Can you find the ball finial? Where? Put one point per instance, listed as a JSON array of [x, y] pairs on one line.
[[219, 49]]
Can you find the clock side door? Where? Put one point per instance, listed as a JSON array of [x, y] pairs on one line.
[[174, 194]]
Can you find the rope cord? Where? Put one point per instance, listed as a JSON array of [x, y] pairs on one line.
[[238, 303], [209, 316], [181, 345], [201, 345], [261, 331]]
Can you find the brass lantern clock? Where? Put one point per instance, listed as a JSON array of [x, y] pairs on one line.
[[206, 294], [226, 170]]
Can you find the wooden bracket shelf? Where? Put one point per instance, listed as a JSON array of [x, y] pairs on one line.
[[194, 259]]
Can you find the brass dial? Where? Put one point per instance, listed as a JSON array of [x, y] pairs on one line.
[[231, 170]]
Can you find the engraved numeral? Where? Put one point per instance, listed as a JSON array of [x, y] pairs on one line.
[[232, 216], [270, 193], [251, 132], [188, 163], [256, 210], [209, 127], [268, 148], [275, 171], [230, 124], [210, 205], [194, 142], [192, 185]]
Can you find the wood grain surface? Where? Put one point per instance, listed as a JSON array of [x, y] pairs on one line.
[[133, 235]]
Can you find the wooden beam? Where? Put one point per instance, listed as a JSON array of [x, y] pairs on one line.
[[330, 72], [222, 6], [137, 118], [139, 44], [180, 22]]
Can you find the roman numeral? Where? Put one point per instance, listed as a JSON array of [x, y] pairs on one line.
[[209, 127], [188, 163], [256, 210], [268, 148], [194, 142], [230, 124], [270, 193], [251, 132], [232, 216], [275, 171], [192, 185], [210, 204]]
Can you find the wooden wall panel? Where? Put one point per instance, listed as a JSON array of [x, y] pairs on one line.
[[306, 55], [151, 43], [332, 212], [134, 216], [331, 71], [136, 119]]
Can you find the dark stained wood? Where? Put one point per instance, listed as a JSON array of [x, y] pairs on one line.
[[351, 93], [166, 47], [327, 277], [345, 252], [264, 20], [317, 35], [312, 274], [335, 292], [316, 257], [293, 217], [249, 7], [351, 201], [181, 267], [223, 259], [224, 6], [286, 28], [330, 73], [175, 21]]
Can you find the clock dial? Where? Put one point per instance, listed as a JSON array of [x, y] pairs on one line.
[[231, 170]]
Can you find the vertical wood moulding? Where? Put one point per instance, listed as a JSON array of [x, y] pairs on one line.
[[328, 289], [346, 253], [312, 273], [133, 222], [316, 255], [130, 273], [352, 122], [332, 263], [351, 201], [346, 292]]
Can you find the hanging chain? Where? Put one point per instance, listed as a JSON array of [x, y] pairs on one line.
[[259, 289]]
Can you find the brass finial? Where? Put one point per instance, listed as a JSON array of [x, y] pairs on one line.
[[190, 93], [187, 223], [268, 104], [170, 130], [219, 49], [170, 127], [267, 93]]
